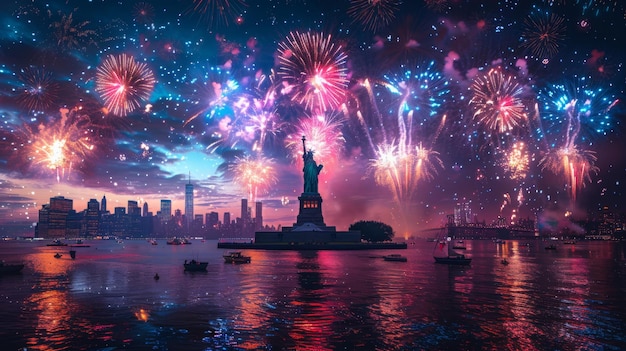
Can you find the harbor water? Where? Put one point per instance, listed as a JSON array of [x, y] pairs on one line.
[[107, 298]]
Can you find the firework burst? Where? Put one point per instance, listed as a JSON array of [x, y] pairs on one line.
[[427, 163], [143, 12], [574, 113], [516, 161], [39, 89], [574, 163], [543, 35], [256, 174], [400, 170], [497, 102], [373, 14], [123, 83], [217, 13], [62, 145], [72, 35], [569, 111], [315, 69], [422, 90]]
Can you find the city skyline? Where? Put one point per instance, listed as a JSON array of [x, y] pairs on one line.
[[514, 107]]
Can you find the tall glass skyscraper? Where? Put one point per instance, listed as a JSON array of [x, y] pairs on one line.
[[166, 210], [189, 202]]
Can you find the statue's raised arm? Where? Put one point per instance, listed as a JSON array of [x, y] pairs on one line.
[[311, 170]]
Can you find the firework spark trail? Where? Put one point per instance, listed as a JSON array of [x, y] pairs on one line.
[[374, 105], [506, 201], [214, 94], [577, 105], [428, 163], [400, 164], [385, 167]]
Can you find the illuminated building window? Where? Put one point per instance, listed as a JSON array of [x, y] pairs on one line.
[[309, 204]]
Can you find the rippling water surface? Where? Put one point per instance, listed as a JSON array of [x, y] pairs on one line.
[[573, 298]]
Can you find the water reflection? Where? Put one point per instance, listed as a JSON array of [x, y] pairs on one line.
[[322, 300]]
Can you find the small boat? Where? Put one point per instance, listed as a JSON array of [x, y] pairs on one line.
[[569, 242], [551, 247], [8, 268], [445, 253], [174, 241], [394, 258], [177, 241], [154, 242], [236, 257], [156, 276], [58, 255], [57, 243], [504, 261], [73, 254], [195, 266]]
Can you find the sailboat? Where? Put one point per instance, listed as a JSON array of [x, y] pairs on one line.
[[444, 252]]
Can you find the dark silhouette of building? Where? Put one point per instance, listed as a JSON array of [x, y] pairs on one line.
[[189, 203], [166, 210], [92, 218], [53, 218], [103, 204], [258, 215]]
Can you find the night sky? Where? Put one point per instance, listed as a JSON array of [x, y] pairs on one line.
[[516, 107]]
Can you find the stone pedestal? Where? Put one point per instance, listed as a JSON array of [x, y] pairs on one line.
[[310, 210]]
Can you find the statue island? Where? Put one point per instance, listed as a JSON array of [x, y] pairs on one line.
[[309, 232]]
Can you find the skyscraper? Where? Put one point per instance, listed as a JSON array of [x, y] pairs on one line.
[[462, 213], [244, 213], [166, 210], [258, 219], [103, 204], [145, 210], [189, 202], [227, 219], [60, 209], [92, 217], [133, 208]]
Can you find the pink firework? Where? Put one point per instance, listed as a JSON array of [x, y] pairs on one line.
[[574, 163], [315, 70], [373, 14], [497, 101], [123, 83], [323, 137]]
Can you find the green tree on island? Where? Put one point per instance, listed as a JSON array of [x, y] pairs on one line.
[[373, 231]]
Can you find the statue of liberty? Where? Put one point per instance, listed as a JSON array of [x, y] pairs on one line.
[[311, 170]]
